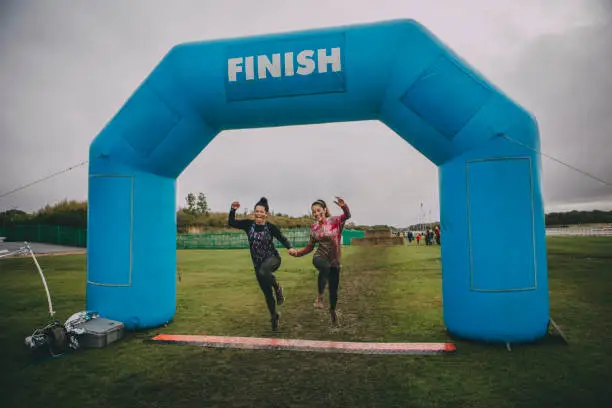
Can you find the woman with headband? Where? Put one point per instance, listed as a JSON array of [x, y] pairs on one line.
[[327, 233], [266, 258]]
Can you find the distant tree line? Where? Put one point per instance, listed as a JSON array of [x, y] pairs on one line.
[[67, 213], [423, 226], [197, 215], [578, 217]]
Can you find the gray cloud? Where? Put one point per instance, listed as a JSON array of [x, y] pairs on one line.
[[564, 78], [67, 68]]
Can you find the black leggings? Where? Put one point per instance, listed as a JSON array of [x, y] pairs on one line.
[[328, 273], [267, 280]]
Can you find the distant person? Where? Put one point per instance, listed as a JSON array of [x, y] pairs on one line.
[[326, 231], [265, 257], [418, 238]]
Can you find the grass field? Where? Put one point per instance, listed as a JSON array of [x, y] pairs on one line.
[[386, 294]]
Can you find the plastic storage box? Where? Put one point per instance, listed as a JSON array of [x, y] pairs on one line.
[[100, 332]]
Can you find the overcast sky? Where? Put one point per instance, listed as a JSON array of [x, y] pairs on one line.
[[66, 67]]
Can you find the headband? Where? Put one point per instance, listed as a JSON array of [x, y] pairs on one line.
[[321, 203]]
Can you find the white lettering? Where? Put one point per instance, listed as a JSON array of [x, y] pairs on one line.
[[278, 65], [264, 65], [289, 64], [250, 68], [234, 65], [307, 65], [334, 59]]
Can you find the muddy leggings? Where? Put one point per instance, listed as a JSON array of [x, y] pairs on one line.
[[267, 281], [328, 273]]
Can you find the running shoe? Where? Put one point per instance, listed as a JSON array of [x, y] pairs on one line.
[[275, 321], [334, 317]]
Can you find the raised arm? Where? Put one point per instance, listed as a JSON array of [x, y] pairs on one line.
[[233, 222], [276, 233], [346, 213]]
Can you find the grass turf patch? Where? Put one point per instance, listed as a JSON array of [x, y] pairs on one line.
[[386, 294]]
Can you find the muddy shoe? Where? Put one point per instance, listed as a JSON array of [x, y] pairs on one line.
[[275, 321], [334, 317]]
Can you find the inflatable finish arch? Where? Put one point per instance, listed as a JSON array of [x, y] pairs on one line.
[[494, 270]]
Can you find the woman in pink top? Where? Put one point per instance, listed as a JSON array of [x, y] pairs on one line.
[[327, 233]]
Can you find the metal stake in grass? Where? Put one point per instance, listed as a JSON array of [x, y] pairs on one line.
[[552, 323]]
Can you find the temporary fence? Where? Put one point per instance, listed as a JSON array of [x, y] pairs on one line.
[[51, 234], [238, 239], [77, 237], [234, 239], [577, 231]]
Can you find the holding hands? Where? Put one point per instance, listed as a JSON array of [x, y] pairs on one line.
[[235, 205], [293, 252]]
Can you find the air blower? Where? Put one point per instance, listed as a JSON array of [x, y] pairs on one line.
[[81, 330]]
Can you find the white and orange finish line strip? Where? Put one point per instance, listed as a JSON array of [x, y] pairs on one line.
[[305, 345]]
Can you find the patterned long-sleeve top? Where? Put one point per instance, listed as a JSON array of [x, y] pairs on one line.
[[328, 236], [261, 242]]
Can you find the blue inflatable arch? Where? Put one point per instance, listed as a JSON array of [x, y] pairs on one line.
[[494, 270]]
